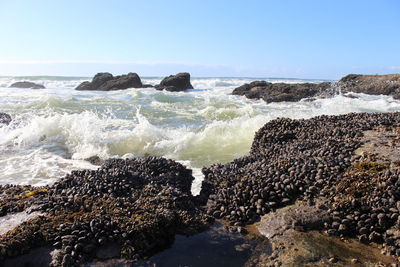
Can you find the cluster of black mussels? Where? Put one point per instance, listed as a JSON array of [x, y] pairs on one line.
[[310, 160], [137, 205]]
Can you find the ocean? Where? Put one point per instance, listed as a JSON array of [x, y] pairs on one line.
[[55, 129]]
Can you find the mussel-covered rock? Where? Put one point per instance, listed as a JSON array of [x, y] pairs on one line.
[[306, 159], [137, 204]]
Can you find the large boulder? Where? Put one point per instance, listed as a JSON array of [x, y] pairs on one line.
[[26, 84], [5, 118], [278, 92], [176, 83], [107, 82], [371, 84]]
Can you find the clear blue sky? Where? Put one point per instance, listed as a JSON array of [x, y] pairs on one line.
[[292, 38]]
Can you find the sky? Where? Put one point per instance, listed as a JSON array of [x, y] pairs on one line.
[[323, 39]]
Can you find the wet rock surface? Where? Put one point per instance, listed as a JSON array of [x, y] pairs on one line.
[[310, 160], [279, 92], [300, 217], [312, 248], [216, 246], [107, 82], [138, 205], [5, 118], [175, 83], [294, 243], [27, 85]]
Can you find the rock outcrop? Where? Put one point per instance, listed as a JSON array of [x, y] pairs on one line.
[[175, 83], [132, 207], [372, 84], [27, 85], [278, 92], [107, 82], [313, 159], [5, 118]]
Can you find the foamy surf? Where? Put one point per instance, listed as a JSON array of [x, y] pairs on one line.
[[55, 129]]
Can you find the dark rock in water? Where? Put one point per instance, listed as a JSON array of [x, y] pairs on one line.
[[27, 85], [175, 83], [5, 118], [278, 92], [132, 208], [107, 82], [371, 84]]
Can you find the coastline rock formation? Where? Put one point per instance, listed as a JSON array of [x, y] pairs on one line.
[[26, 84], [106, 82], [372, 84], [5, 118], [320, 170], [175, 83], [278, 92], [135, 206], [309, 160]]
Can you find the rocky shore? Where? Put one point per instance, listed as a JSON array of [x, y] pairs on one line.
[[135, 206], [278, 92], [313, 161], [307, 186]]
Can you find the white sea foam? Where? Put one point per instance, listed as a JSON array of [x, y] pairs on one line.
[[55, 129]]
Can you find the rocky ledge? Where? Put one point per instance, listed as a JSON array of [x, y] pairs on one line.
[[5, 118], [27, 85], [314, 161], [372, 84], [278, 92], [132, 208]]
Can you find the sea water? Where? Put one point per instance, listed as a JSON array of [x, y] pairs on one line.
[[55, 129]]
